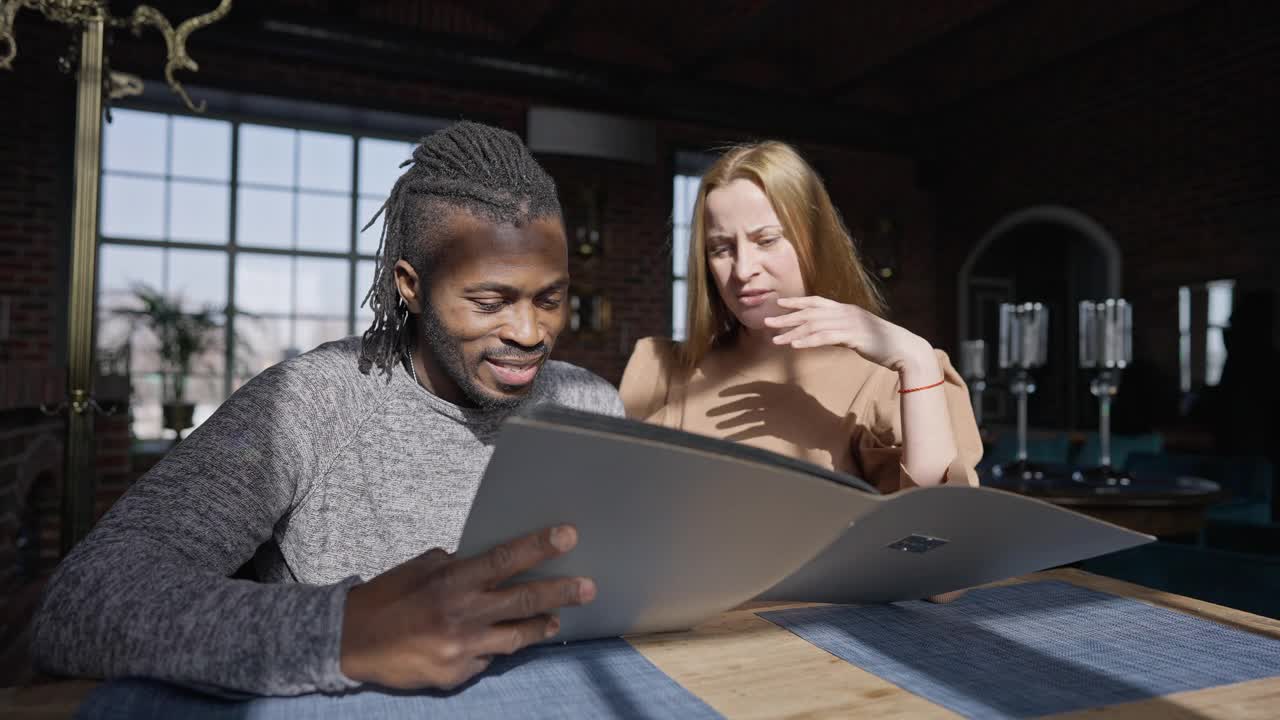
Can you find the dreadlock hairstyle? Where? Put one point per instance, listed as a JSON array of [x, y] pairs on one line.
[[468, 166]]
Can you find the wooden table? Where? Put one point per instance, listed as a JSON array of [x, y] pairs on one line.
[[746, 667]]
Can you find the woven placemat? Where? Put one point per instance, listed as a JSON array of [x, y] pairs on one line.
[[600, 679], [1035, 649]]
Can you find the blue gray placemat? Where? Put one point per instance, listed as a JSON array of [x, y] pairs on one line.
[[1035, 648], [601, 679]]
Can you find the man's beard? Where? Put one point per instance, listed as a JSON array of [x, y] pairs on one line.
[[448, 353]]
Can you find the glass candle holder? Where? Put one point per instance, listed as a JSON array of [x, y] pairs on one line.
[[1024, 346], [1106, 349]]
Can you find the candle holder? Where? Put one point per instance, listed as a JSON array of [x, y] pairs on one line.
[[1106, 346], [1024, 346], [973, 368]]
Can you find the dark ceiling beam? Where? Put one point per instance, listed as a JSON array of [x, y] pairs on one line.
[[483, 67], [346, 9], [910, 53], [548, 27], [747, 31], [339, 7], [1066, 45], [1174, 15]]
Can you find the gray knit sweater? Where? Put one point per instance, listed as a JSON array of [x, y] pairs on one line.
[[324, 476]]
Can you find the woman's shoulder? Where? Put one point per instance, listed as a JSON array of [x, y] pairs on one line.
[[647, 376], [653, 356], [656, 345]]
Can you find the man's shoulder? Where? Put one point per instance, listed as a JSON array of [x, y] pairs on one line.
[[328, 361], [343, 354], [560, 374], [579, 388], [331, 370]]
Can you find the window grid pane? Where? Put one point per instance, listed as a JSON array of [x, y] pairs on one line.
[[268, 155], [680, 251], [199, 212], [321, 286], [380, 165], [364, 280], [1220, 296], [366, 209], [324, 222], [678, 329], [198, 278], [121, 268], [264, 218], [310, 334], [324, 161], [129, 142], [132, 207], [684, 196], [1215, 356], [201, 149], [264, 283]]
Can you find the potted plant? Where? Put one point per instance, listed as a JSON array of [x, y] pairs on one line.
[[183, 336]]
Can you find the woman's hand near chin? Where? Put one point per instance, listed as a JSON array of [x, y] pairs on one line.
[[817, 322]]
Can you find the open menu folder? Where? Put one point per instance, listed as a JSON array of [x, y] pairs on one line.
[[676, 528]]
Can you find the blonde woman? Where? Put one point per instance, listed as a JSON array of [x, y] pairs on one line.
[[787, 349]]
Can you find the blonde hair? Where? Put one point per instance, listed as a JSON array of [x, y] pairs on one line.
[[828, 258]]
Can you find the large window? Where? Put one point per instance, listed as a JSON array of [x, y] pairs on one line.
[[259, 221]]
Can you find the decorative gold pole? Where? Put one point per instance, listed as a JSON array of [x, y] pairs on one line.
[[79, 483], [92, 17]]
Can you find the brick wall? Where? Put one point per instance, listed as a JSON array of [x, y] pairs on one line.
[[632, 269], [35, 154], [36, 147], [1165, 136], [867, 187]]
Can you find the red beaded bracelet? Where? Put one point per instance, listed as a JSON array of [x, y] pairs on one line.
[[922, 387]]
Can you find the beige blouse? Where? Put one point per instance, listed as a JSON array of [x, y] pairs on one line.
[[827, 406]]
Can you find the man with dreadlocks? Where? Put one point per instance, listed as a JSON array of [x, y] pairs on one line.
[[346, 474]]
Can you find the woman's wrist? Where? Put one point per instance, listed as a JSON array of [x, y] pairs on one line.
[[919, 366]]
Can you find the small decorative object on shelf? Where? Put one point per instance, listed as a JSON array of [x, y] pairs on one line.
[[583, 219], [589, 313], [1106, 346], [1024, 346], [880, 240], [973, 368]]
